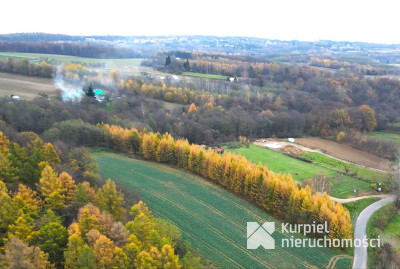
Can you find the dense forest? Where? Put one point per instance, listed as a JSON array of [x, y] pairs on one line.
[[49, 220], [295, 102], [339, 107]]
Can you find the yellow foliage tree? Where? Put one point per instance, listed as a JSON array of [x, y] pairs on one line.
[[192, 108], [51, 188], [103, 249]]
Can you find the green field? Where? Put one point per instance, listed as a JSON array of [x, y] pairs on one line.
[[344, 263], [386, 135], [201, 75], [211, 218], [342, 185], [36, 57], [393, 227], [391, 233], [339, 165]]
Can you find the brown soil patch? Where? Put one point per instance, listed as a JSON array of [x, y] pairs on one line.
[[26, 87], [292, 150], [346, 153]]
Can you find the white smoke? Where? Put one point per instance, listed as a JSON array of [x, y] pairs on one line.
[[69, 91]]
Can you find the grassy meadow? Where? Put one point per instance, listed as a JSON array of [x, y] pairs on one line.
[[201, 75], [342, 185], [386, 135]]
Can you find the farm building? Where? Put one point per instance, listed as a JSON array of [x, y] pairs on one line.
[[99, 94]]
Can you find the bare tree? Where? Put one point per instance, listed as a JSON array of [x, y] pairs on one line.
[[319, 183]]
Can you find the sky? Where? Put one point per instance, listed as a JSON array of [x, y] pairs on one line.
[[308, 20]]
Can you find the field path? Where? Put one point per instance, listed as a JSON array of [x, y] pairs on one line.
[[353, 199], [333, 260], [360, 231]]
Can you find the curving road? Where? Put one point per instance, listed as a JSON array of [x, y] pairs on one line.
[[360, 231], [353, 199]]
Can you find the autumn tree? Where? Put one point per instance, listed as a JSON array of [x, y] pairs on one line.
[[368, 120], [73, 251], [51, 188], [192, 108], [319, 183], [27, 200], [73, 228], [23, 228], [132, 248], [88, 218], [119, 234], [120, 259], [8, 172], [103, 250], [111, 200], [339, 119], [68, 185], [145, 261], [82, 162], [50, 155], [18, 255], [8, 212], [168, 258], [92, 236], [4, 142]]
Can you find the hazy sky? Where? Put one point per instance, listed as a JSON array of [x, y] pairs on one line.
[[369, 21]]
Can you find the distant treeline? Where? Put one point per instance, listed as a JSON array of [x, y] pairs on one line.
[[53, 37], [71, 49], [24, 67]]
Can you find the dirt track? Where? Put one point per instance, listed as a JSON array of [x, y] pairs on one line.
[[26, 87], [346, 153]]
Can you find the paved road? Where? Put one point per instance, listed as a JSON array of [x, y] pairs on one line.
[[360, 232]]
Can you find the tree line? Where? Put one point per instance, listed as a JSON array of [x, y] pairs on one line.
[[24, 67], [277, 194], [67, 48]]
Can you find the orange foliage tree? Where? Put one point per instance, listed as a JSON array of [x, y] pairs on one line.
[[278, 194]]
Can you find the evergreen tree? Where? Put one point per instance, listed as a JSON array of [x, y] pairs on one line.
[[167, 60], [87, 259], [186, 65], [52, 239], [90, 91]]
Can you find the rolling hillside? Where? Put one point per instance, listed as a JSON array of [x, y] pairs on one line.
[[211, 218]]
